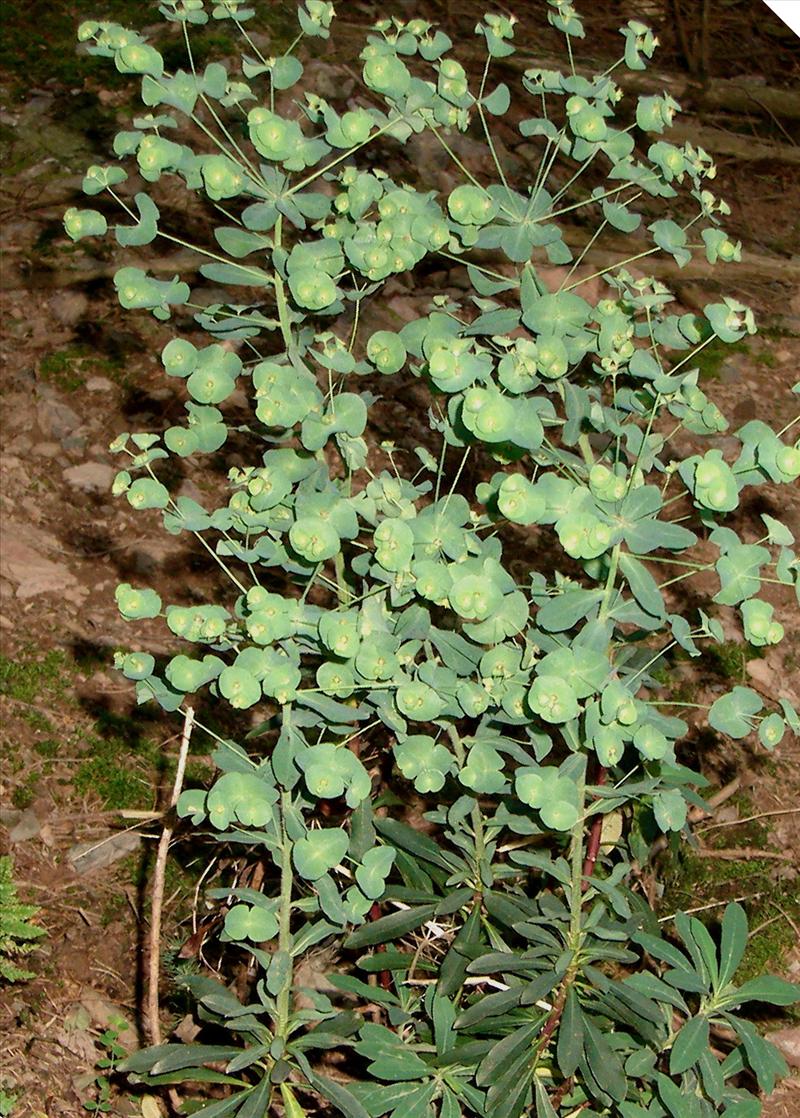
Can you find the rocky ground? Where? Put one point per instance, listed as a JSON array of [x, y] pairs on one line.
[[82, 768]]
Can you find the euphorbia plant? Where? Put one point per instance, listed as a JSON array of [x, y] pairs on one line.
[[494, 955]]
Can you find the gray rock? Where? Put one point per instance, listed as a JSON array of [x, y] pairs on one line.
[[152, 555], [22, 562], [733, 368], [99, 384], [46, 450], [74, 443], [328, 81], [787, 1041], [56, 418], [88, 856], [91, 477], [27, 827]]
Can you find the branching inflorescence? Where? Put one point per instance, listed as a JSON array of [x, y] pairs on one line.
[[498, 960]]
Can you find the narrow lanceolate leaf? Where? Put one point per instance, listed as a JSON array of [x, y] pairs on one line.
[[544, 1108], [335, 1093], [449, 1106], [257, 1101], [700, 946], [711, 1074], [733, 942], [505, 1054], [417, 1104], [604, 1063], [390, 927], [509, 1098], [490, 1005], [569, 1048], [775, 991], [690, 1043], [171, 1057], [643, 586], [454, 965]]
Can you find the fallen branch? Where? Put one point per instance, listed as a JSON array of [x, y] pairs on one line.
[[749, 819], [721, 142], [744, 854]]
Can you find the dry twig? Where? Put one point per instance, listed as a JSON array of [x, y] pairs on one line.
[[159, 872]]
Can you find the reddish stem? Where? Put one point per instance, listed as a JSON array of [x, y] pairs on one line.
[[384, 976], [595, 835]]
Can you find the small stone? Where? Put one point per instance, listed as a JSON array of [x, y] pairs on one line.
[[26, 827], [91, 477], [89, 856], [46, 450], [99, 384], [20, 445], [22, 562], [56, 419], [74, 443], [772, 676], [787, 1041]]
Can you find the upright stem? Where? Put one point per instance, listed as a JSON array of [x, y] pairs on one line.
[[595, 836], [477, 815], [575, 934], [610, 580], [576, 870], [284, 999]]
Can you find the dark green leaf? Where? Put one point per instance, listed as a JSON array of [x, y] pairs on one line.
[[490, 1005], [544, 1108], [170, 1057], [257, 1102], [390, 927], [335, 1093], [604, 1063], [569, 1048], [454, 964], [691, 1041], [768, 988], [505, 1053]]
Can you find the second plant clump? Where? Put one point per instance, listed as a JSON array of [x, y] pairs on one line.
[[496, 956]]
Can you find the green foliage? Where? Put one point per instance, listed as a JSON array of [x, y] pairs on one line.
[[27, 678], [18, 933], [8, 1101], [102, 1101], [373, 626], [69, 368]]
